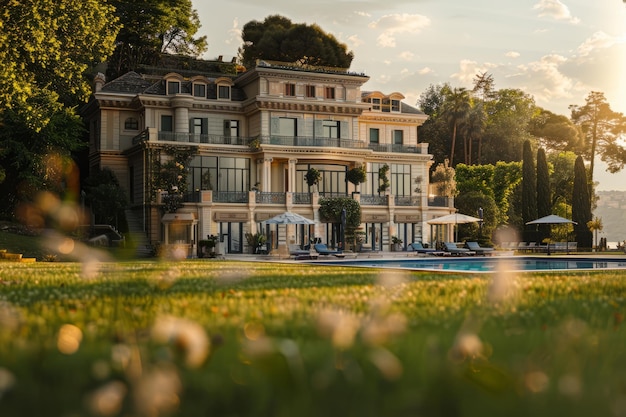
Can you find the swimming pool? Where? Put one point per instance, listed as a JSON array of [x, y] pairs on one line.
[[490, 264]]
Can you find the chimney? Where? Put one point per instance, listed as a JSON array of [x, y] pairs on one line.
[[99, 81]]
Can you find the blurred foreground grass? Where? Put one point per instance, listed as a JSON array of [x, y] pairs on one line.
[[230, 338]]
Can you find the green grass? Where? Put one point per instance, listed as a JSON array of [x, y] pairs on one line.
[[299, 340]]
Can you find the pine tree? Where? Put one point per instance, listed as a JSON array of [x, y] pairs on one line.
[[544, 207], [529, 193], [581, 205]]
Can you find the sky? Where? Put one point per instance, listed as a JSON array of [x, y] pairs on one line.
[[558, 51]]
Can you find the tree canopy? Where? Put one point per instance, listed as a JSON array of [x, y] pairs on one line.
[[278, 39], [152, 27], [45, 48], [602, 128]]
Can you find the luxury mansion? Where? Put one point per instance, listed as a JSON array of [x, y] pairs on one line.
[[207, 150]]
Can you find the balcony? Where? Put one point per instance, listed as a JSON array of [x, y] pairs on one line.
[[373, 200], [270, 198], [408, 201], [151, 134]]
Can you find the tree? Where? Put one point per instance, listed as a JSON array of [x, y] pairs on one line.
[[555, 132], [544, 206], [602, 128], [278, 39], [39, 161], [435, 130], [443, 180], [508, 116], [152, 27], [473, 129], [105, 197], [529, 192], [456, 110], [562, 177], [45, 48], [581, 205]]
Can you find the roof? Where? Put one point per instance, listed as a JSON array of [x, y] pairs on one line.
[[131, 83]]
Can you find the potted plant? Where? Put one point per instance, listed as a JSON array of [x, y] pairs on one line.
[[396, 244], [383, 180], [207, 246], [255, 241], [356, 176], [312, 177]]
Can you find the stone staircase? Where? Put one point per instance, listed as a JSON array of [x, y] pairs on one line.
[[142, 245]]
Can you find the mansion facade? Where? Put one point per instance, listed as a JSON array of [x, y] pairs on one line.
[[243, 144]]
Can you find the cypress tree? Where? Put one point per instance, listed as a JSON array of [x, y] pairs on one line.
[[529, 193], [581, 205], [544, 208]]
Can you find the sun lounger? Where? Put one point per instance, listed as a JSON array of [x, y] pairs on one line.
[[300, 254], [419, 248], [322, 249], [453, 249], [480, 250]]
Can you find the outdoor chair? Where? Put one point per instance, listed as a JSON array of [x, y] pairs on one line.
[[480, 250], [453, 249], [322, 249]]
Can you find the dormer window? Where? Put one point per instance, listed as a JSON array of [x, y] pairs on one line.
[[376, 104], [395, 105], [173, 87], [223, 92], [199, 90]]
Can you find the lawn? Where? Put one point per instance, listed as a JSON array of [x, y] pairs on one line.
[[227, 338]]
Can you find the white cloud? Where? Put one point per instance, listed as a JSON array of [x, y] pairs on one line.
[[405, 71], [407, 55], [234, 33], [425, 71], [393, 24], [363, 14], [545, 80], [598, 40], [555, 10], [386, 41], [469, 69], [512, 54]]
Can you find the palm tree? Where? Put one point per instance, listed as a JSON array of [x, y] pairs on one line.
[[473, 128], [595, 225], [456, 111]]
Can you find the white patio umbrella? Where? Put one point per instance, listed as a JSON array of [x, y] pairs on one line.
[[454, 218], [289, 218], [551, 219]]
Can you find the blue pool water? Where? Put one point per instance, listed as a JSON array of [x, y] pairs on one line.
[[490, 264]]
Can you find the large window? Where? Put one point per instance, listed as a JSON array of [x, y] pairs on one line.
[[290, 90], [284, 126], [310, 91], [234, 174], [219, 174], [231, 128], [330, 93], [374, 135], [167, 124], [333, 179], [199, 126], [398, 137], [330, 129], [400, 179]]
